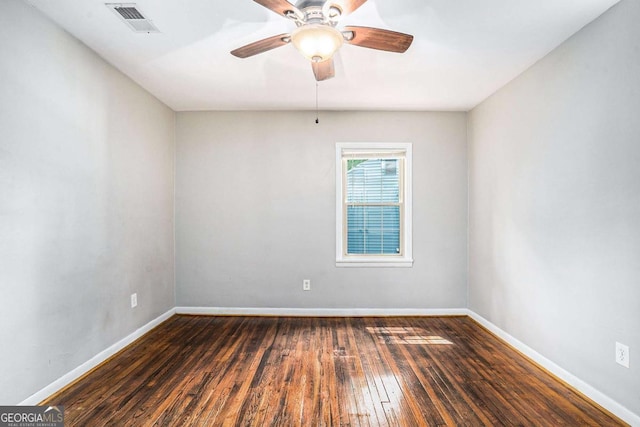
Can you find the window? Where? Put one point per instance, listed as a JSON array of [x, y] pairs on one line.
[[373, 205]]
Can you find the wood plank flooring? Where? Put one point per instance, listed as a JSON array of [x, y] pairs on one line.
[[268, 371]]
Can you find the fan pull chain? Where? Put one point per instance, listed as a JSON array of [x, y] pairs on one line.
[[317, 120]]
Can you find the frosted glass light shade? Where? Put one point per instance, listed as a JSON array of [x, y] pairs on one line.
[[317, 42]]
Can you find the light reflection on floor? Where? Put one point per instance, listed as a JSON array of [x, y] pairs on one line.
[[407, 336], [391, 393]]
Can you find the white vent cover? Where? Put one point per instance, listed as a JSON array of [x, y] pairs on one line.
[[131, 15]]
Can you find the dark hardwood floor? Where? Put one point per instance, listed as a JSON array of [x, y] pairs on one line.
[[259, 371]]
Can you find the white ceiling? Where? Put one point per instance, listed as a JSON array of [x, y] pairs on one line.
[[463, 51]]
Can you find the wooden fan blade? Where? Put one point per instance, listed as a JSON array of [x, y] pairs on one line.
[[377, 38], [347, 6], [323, 70], [280, 7], [261, 46]]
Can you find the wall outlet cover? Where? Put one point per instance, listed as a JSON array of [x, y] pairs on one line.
[[622, 354], [134, 300]]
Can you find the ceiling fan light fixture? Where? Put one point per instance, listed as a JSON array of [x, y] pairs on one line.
[[317, 42]]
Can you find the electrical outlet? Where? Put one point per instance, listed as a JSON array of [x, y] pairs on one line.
[[622, 354], [306, 285], [134, 300]]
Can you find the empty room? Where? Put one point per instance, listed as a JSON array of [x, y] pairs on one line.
[[340, 212]]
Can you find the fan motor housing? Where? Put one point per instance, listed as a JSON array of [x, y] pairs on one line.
[[316, 11], [303, 4]]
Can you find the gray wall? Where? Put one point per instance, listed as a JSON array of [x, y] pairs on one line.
[[255, 211], [86, 203], [554, 205]]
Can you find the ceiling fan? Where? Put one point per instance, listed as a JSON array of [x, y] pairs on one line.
[[317, 37]]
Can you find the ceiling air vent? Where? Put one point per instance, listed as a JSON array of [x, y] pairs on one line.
[[131, 15]]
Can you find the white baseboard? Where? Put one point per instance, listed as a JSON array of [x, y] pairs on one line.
[[600, 398], [320, 312], [70, 377]]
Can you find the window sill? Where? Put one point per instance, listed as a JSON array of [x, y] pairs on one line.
[[375, 262]]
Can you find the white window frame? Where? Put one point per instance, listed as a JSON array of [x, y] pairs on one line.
[[405, 258]]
